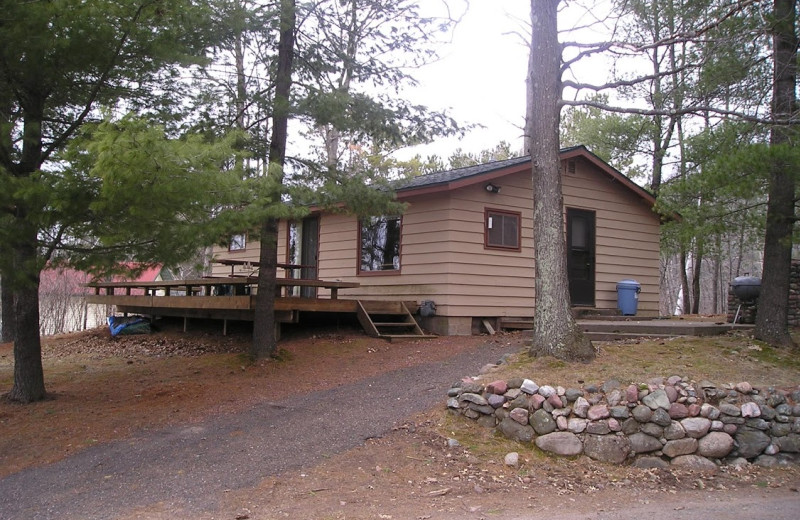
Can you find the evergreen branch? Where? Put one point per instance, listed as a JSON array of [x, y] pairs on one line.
[[95, 249], [94, 93]]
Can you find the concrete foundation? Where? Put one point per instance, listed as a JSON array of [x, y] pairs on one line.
[[447, 325]]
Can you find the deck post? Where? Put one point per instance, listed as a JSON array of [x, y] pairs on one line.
[[224, 326], [185, 323]]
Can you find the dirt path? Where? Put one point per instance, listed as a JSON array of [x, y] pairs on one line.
[[188, 470]]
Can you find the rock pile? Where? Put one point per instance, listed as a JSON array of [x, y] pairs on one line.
[[654, 424]]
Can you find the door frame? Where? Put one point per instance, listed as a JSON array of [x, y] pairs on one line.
[[307, 245], [582, 292]]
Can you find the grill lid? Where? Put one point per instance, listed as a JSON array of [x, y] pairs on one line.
[[746, 287]]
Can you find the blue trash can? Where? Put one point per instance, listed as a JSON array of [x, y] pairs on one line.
[[628, 296]]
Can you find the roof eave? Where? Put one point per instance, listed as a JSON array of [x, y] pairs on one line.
[[478, 178]]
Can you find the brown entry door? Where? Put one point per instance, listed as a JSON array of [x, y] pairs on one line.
[[581, 256]]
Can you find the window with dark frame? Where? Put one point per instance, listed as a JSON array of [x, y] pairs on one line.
[[237, 243], [502, 230], [379, 244]]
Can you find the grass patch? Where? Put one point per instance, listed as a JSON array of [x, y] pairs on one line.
[[771, 355], [486, 443], [719, 359]]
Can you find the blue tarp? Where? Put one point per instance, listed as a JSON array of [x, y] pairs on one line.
[[130, 325]]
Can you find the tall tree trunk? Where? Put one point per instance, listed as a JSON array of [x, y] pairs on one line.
[[717, 285], [555, 331], [265, 341], [7, 304], [658, 120], [686, 300], [331, 135], [772, 320], [241, 81], [28, 370], [698, 263]]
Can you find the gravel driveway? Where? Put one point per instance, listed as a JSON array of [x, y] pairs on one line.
[[187, 469]]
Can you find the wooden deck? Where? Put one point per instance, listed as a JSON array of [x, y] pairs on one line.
[[230, 298], [234, 298]]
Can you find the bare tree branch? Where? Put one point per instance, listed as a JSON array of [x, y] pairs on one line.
[[693, 109], [604, 47], [690, 36]]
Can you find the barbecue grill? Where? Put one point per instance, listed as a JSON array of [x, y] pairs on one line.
[[746, 289]]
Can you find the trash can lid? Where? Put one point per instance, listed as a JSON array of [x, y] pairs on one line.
[[628, 284]]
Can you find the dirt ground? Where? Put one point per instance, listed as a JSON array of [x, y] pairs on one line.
[[105, 388]]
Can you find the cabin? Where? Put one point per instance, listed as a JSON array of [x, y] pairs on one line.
[[463, 249]]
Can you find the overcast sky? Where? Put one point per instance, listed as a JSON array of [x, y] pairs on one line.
[[481, 76]]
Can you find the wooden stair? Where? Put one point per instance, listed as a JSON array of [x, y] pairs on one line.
[[389, 320]]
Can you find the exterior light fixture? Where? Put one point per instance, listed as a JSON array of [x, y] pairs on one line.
[[491, 188]]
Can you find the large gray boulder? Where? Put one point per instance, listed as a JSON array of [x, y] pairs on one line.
[[696, 427], [694, 462], [542, 422], [643, 443], [657, 399], [515, 431], [642, 413], [661, 417], [715, 445], [680, 447], [560, 443], [650, 463], [751, 443], [607, 448], [789, 443]]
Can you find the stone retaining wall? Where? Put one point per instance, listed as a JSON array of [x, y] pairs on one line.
[[748, 311], [654, 424]]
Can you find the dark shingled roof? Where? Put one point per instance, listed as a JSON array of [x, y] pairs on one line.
[[444, 177]]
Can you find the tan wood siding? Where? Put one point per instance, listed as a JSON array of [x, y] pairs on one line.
[[488, 282]]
